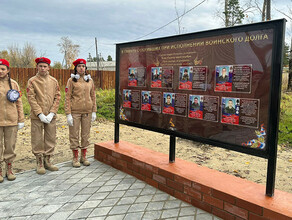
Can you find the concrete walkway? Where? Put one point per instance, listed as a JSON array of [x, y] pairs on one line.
[[95, 192]]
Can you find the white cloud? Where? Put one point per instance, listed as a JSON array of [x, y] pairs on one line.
[[43, 23]]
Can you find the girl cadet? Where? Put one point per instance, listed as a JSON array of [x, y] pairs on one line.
[[11, 119], [80, 108]]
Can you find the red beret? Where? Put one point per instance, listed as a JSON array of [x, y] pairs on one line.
[[42, 60], [4, 62], [78, 61]]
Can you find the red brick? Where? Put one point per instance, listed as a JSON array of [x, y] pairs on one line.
[[115, 165], [166, 189], [121, 163], [127, 158], [238, 218], [249, 206], [123, 157], [175, 185], [146, 173], [222, 214], [213, 201], [105, 150], [201, 188], [151, 182], [159, 179], [107, 161], [182, 180], [139, 176], [133, 168], [111, 158], [151, 168], [102, 155], [253, 216], [182, 196], [236, 210], [166, 174], [193, 193], [275, 215], [201, 205], [223, 196], [116, 155], [138, 163], [130, 172]]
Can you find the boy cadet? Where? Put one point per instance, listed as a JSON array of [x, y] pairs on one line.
[[43, 93]]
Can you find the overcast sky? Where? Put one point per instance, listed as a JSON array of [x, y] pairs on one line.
[[43, 23]]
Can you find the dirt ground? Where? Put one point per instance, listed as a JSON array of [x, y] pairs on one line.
[[238, 164]]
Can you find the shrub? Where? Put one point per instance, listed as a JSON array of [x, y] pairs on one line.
[[105, 102], [26, 106], [285, 125], [61, 109]]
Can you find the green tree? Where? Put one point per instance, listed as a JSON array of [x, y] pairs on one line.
[[233, 13], [286, 55], [57, 65], [4, 55], [94, 59], [89, 58], [109, 58]]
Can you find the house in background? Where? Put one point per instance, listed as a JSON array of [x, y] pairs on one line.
[[103, 65]]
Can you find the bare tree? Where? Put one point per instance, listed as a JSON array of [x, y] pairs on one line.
[[28, 56], [179, 19], [261, 9], [14, 55], [288, 16], [69, 50], [18, 57]]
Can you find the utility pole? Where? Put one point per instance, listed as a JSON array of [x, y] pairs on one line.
[[268, 10], [97, 65]]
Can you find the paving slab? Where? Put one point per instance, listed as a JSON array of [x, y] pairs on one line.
[[95, 192]]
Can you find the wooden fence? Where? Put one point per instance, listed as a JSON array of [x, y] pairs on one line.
[[102, 79]]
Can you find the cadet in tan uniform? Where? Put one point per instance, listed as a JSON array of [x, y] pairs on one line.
[[11, 119], [80, 108], [43, 93]]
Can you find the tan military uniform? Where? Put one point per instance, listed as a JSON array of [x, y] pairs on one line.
[[43, 93], [80, 101], [11, 113]]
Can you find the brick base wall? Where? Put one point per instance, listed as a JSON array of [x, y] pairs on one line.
[[223, 195]]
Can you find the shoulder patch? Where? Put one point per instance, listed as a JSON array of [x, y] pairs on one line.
[[66, 89]]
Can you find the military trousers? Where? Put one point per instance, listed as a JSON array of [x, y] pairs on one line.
[[43, 137], [8, 135], [80, 130]]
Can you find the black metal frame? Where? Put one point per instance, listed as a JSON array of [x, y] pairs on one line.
[[270, 152]]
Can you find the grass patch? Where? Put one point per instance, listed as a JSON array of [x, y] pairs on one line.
[[61, 109], [26, 106], [285, 125], [105, 102]]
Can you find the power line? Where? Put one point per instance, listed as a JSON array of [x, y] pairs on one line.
[[172, 20], [84, 51], [161, 26]]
